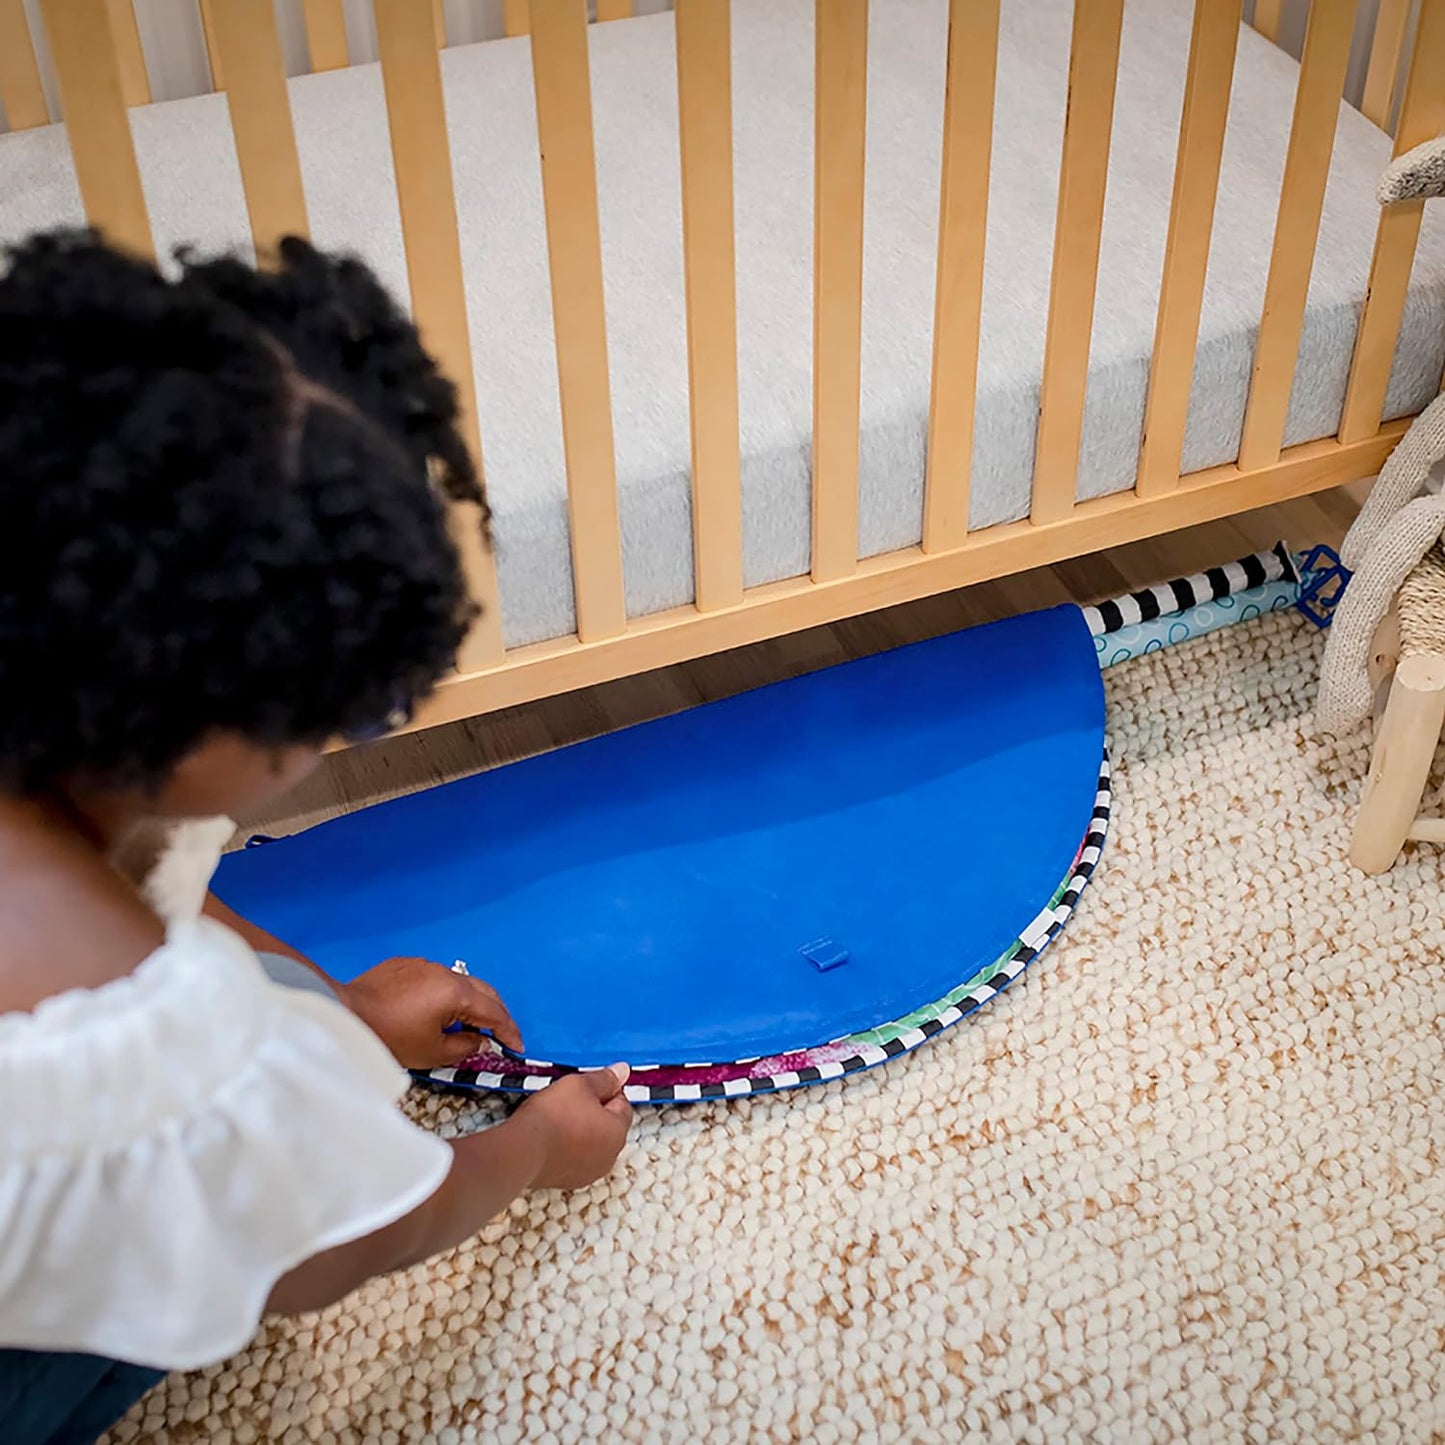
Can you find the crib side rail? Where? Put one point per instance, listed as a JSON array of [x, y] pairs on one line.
[[88, 66], [21, 91], [1422, 117], [1204, 115], [952, 553], [1301, 202], [1078, 227], [968, 106], [325, 36], [705, 143], [421, 158], [574, 246], [246, 49], [95, 60], [839, 130], [517, 16]]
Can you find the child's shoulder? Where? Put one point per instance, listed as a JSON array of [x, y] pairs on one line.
[[67, 918]]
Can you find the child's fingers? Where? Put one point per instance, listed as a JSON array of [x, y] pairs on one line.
[[458, 1048], [479, 1007], [607, 1084]]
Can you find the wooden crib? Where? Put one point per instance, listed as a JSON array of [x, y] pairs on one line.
[[95, 49]]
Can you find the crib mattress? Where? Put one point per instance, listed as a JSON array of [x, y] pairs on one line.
[[194, 192]]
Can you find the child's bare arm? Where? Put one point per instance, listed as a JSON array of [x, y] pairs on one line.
[[257, 937], [409, 1003], [565, 1137]]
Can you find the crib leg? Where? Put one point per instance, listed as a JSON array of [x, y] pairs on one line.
[[1400, 766]]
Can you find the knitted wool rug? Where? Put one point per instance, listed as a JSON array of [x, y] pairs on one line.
[[1181, 1181]]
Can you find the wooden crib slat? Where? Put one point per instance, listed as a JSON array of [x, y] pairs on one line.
[[1093, 72], [416, 116], [839, 138], [1186, 251], [1267, 17], [574, 244], [134, 83], [781, 608], [21, 93], [705, 107], [248, 47], [515, 19], [439, 22], [326, 34], [614, 9], [1392, 24], [213, 54], [1297, 225], [82, 48], [958, 288], [1422, 116]]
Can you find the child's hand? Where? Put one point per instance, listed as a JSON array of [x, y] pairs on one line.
[[410, 1002], [582, 1121]]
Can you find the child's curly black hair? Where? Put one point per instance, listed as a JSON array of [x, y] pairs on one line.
[[221, 508]]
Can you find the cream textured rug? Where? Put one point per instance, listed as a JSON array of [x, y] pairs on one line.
[[1182, 1181]]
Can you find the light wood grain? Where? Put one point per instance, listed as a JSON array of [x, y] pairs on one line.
[[1302, 194], [208, 31], [1422, 116], [21, 92], [574, 246], [134, 83], [1400, 763], [1386, 50], [839, 137], [1083, 173], [515, 20], [439, 22], [416, 116], [614, 9], [326, 34], [905, 576], [1384, 648], [1267, 17], [248, 48], [1186, 250], [958, 286], [356, 777], [83, 51], [704, 97]]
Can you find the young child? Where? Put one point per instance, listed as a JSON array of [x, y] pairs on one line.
[[222, 544]]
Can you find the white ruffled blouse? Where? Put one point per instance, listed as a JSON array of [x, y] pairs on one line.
[[174, 1142]]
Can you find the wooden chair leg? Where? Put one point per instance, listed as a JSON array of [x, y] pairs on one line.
[[1385, 649], [1400, 765]]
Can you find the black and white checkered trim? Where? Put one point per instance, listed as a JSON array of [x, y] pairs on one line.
[[1276, 565], [1031, 942]]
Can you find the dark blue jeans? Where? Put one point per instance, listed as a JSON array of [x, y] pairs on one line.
[[49, 1398]]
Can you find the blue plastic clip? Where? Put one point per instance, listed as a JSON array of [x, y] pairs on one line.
[[824, 954], [1323, 581]]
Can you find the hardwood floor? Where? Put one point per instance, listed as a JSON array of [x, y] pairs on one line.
[[354, 778]]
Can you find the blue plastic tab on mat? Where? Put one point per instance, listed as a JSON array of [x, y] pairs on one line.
[[652, 895], [824, 954]]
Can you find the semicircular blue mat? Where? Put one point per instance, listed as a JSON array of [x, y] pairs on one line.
[[754, 876]]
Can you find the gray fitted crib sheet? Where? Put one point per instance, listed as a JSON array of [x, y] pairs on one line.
[[193, 188]]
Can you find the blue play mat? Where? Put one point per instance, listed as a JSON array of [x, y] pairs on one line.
[[757, 875]]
